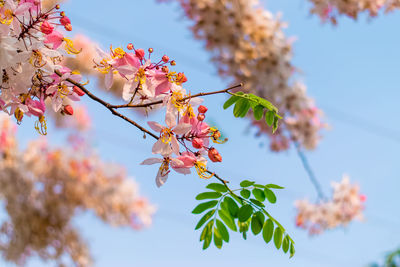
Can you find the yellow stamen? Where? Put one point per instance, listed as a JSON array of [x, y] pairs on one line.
[[18, 114], [189, 111], [176, 100], [8, 17], [166, 135], [63, 90], [117, 52], [41, 126], [69, 47], [140, 76], [164, 168], [202, 170], [103, 66], [216, 136], [36, 59]]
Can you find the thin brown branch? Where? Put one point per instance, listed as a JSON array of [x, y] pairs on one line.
[[108, 106], [183, 99]]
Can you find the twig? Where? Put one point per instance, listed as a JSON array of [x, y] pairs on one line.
[[183, 99]]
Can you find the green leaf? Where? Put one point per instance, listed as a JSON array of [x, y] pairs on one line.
[[246, 183], [258, 112], [285, 244], [228, 220], [223, 231], [292, 250], [208, 195], [217, 187], [275, 125], [256, 202], [259, 194], [270, 195], [231, 101], [256, 224], [269, 117], [245, 212], [232, 206], [268, 230], [205, 218], [217, 238], [245, 108], [204, 206], [278, 237], [274, 186], [245, 193], [240, 106], [207, 240], [206, 230]]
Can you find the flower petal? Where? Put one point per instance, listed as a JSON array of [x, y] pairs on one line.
[[155, 126], [151, 161]]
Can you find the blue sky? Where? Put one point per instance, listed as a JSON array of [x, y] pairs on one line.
[[352, 72]]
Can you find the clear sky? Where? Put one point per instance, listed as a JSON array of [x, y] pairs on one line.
[[352, 72]]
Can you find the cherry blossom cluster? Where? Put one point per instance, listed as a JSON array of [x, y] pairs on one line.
[[183, 142], [44, 189], [329, 10], [346, 205], [248, 45], [32, 49]]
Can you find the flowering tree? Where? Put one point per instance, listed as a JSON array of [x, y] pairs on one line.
[[41, 75]]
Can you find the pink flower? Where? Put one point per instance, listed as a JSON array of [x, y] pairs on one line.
[[55, 39], [36, 107], [163, 171], [188, 159], [167, 143]]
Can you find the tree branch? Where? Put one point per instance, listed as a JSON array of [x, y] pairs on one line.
[[183, 99]]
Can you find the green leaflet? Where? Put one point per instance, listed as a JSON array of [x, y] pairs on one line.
[[204, 206]]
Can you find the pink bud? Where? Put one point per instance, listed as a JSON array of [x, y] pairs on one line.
[[201, 117], [46, 28], [181, 78], [197, 143], [68, 27], [65, 20], [68, 110], [363, 198], [139, 53], [165, 58], [130, 46], [202, 109], [214, 155], [78, 91]]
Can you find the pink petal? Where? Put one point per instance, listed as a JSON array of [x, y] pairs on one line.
[[109, 80], [182, 128], [155, 126], [160, 180], [175, 145], [151, 161]]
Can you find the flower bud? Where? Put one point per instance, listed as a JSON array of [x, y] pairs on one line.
[[68, 110], [78, 91], [139, 53], [201, 117], [19, 114], [165, 59], [173, 63], [202, 109], [181, 78], [165, 69], [214, 155], [197, 143], [151, 50], [62, 14], [68, 27], [65, 20], [130, 46], [363, 198], [57, 7], [46, 28]]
